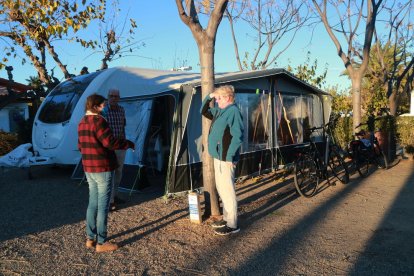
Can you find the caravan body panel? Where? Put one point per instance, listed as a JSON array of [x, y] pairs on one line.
[[57, 139]]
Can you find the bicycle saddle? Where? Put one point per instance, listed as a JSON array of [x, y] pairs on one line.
[[360, 133]]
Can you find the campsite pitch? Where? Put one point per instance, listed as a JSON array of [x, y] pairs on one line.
[[362, 228]]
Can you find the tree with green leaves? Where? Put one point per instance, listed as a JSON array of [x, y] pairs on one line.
[[308, 72], [36, 85], [205, 39], [34, 26], [341, 100], [375, 83], [394, 54]]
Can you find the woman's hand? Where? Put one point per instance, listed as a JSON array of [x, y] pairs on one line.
[[131, 145]]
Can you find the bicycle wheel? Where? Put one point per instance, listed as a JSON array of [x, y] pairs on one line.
[[338, 167], [306, 178], [381, 160], [359, 156], [362, 164]]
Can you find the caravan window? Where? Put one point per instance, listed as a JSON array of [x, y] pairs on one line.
[[295, 114], [256, 118], [59, 104]]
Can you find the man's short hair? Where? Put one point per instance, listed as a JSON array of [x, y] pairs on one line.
[[225, 90], [113, 91]]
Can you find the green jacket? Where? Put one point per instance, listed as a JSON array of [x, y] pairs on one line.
[[226, 131]]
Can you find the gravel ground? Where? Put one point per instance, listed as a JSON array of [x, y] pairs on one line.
[[362, 228]]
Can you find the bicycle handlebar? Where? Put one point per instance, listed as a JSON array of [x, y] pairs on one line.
[[368, 121], [361, 124], [312, 129], [331, 122]]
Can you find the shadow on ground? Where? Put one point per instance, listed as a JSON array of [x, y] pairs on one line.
[[383, 255], [390, 251], [47, 202]]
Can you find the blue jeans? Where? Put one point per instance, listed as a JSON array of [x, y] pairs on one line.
[[100, 185]]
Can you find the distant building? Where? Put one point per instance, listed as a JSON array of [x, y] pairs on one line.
[[411, 105], [15, 107], [182, 68]]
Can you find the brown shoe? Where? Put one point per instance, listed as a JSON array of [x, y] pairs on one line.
[[90, 243], [106, 247]]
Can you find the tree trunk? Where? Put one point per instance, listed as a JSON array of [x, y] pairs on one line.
[[40, 68], [206, 53], [56, 58], [393, 103], [206, 40], [356, 101]]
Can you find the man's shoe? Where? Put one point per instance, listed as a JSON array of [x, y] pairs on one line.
[[90, 243], [106, 247], [226, 230], [218, 224]]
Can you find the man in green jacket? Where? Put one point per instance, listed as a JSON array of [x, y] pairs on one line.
[[224, 141]]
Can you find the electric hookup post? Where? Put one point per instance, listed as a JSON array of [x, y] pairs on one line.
[[194, 207]]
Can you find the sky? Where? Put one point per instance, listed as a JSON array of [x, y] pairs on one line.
[[169, 42]]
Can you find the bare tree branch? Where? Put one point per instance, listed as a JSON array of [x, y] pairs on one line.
[[273, 22], [353, 13]]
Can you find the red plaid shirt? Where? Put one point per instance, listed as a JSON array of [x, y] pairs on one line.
[[97, 144], [116, 119]]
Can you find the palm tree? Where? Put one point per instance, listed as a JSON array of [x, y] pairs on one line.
[[37, 86]]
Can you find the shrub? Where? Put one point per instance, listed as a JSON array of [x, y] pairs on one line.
[[8, 142], [405, 126], [343, 131], [385, 123]]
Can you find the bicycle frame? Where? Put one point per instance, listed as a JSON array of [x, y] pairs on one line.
[[363, 155], [326, 142], [311, 166]]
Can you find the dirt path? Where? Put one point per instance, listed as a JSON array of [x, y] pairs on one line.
[[363, 228]]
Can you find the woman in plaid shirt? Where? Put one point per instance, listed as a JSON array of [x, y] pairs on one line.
[[97, 145]]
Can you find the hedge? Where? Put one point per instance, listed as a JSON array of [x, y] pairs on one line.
[[405, 130]]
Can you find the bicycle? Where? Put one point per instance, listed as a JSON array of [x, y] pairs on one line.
[[312, 165], [363, 152]]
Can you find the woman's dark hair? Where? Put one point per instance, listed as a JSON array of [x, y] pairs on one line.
[[93, 101]]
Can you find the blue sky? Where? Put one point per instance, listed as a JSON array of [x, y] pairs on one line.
[[169, 42]]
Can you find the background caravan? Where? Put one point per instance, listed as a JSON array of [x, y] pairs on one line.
[[163, 119]]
